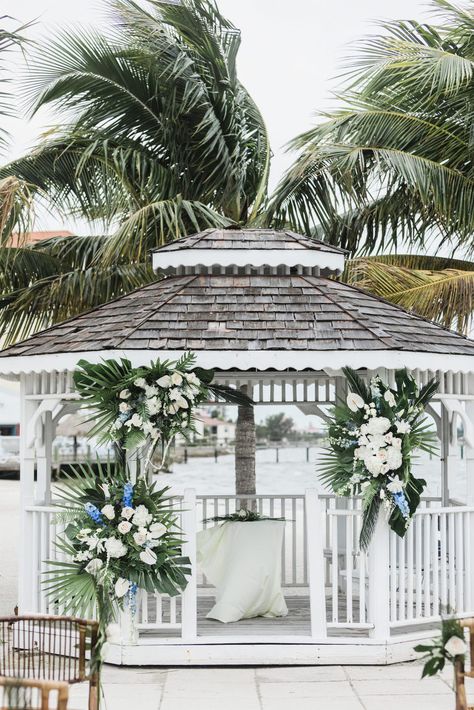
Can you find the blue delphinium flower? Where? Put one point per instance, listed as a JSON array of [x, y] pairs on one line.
[[127, 499], [131, 598], [402, 504], [94, 513]]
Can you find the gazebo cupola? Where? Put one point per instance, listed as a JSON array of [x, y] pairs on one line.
[[246, 251]]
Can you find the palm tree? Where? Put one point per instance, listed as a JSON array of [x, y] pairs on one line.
[[15, 197], [394, 166], [163, 140]]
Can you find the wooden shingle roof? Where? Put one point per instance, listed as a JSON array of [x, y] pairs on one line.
[[205, 312], [261, 239]]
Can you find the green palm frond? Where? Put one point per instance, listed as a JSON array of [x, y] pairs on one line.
[[436, 288], [394, 163]]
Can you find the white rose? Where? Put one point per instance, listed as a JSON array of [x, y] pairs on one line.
[[125, 394], [136, 420], [455, 646], [176, 378], [376, 441], [113, 633], [373, 465], [140, 382], [395, 485], [381, 454], [154, 405], [394, 458], [164, 381], [150, 390], [148, 556], [141, 516], [192, 378], [124, 407], [403, 427], [121, 587], [124, 527], [108, 511], [127, 512], [150, 430], [354, 401], [378, 425], [140, 536], [389, 398], [94, 566], [157, 530], [115, 548]]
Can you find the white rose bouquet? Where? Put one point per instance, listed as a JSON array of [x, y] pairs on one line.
[[372, 436], [154, 403], [120, 537]]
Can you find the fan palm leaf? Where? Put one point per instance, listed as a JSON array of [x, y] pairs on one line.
[[398, 154], [436, 288]]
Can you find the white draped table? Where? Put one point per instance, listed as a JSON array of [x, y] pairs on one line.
[[242, 560]]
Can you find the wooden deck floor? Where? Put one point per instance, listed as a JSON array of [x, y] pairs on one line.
[[296, 623]]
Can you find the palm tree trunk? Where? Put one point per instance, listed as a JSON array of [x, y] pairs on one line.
[[245, 481]]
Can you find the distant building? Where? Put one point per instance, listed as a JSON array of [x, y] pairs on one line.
[[217, 431], [34, 237]]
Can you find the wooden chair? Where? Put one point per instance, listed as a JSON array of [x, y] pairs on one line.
[[26, 694], [460, 672], [50, 648]]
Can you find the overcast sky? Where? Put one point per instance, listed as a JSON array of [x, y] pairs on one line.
[[290, 57]]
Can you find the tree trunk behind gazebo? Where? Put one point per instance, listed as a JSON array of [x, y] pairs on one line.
[[245, 482]]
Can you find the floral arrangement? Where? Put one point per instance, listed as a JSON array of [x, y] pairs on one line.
[[372, 437], [243, 515], [120, 537], [448, 647], [154, 403]]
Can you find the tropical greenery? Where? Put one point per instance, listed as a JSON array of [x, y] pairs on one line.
[[15, 196], [164, 141], [372, 437], [136, 405], [157, 138], [393, 167]]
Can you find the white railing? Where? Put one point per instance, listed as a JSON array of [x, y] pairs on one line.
[[398, 583], [431, 569]]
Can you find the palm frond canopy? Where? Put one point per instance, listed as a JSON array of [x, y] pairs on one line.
[[437, 288], [395, 162], [165, 136]]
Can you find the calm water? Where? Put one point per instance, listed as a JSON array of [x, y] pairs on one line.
[[293, 474]]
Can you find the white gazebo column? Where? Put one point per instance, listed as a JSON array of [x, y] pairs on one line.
[[26, 571]]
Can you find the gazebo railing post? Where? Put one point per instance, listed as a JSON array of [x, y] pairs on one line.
[[379, 579], [189, 598], [315, 536], [469, 453]]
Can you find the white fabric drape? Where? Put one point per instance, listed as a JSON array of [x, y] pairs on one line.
[[243, 562]]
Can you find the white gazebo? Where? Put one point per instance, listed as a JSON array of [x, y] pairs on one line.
[[262, 309]]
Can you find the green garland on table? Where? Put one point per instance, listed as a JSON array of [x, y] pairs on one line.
[[372, 437], [240, 516]]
